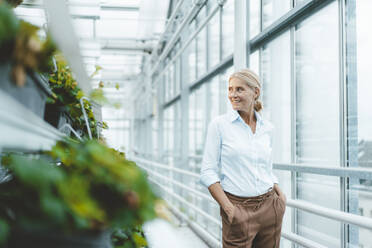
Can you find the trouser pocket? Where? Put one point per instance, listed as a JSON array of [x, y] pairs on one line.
[[235, 230]]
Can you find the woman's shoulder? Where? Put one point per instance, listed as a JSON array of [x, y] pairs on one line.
[[267, 125], [220, 119]]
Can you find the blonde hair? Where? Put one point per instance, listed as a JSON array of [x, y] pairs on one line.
[[253, 81]]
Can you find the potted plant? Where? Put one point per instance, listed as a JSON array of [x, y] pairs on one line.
[[65, 100], [22, 56], [92, 190]]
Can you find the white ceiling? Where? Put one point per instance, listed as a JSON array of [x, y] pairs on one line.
[[114, 34]]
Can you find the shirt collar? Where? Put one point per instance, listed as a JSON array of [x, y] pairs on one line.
[[234, 115]]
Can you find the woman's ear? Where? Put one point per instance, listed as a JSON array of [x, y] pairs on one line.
[[257, 93]]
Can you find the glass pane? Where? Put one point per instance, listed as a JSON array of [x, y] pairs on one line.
[[317, 231], [276, 94], [154, 133], [317, 120], [224, 77], [254, 14], [201, 53], [168, 134], [192, 61], [197, 122], [359, 51], [171, 81], [178, 76], [317, 79], [117, 134], [166, 86], [254, 62], [284, 178], [214, 40], [177, 133], [215, 98], [360, 237], [228, 28], [273, 10], [364, 99], [192, 124]]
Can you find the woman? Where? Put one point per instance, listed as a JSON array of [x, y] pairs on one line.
[[237, 169]]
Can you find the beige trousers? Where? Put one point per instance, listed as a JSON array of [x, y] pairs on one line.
[[257, 221]]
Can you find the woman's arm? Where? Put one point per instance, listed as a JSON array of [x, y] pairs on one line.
[[219, 195], [210, 166]]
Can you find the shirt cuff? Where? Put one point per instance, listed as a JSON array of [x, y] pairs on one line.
[[208, 180]]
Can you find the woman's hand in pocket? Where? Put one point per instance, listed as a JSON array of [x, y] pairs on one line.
[[230, 211], [280, 193]]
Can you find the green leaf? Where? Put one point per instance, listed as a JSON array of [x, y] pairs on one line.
[[139, 240], [36, 173], [53, 207], [4, 231]]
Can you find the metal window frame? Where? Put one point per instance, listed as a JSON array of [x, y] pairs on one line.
[[293, 16]]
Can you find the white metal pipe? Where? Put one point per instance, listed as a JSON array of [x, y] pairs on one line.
[[354, 219], [205, 196], [179, 198], [301, 240], [85, 115], [166, 167], [68, 126], [199, 230]]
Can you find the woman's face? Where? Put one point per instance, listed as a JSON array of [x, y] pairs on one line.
[[241, 95]]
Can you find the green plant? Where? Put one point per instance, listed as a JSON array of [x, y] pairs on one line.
[[9, 25], [129, 238], [21, 46], [93, 188], [67, 93]]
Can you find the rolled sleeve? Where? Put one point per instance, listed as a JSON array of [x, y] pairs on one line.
[[209, 173]]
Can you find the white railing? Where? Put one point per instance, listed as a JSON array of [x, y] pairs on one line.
[[337, 215]]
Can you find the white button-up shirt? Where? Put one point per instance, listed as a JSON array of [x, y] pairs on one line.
[[238, 158]]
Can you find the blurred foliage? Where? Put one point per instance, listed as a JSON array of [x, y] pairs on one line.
[[9, 26], [93, 188], [129, 238], [21, 46], [13, 3], [67, 93]]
